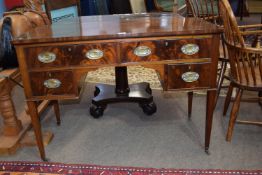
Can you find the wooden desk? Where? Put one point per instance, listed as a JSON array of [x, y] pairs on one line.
[[54, 59]]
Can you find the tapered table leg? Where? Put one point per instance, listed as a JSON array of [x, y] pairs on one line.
[[32, 108], [190, 101], [210, 105]]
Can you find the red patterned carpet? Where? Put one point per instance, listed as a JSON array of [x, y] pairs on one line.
[[37, 168]]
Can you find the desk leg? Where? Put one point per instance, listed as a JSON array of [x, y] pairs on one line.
[[32, 107], [211, 97], [12, 126]]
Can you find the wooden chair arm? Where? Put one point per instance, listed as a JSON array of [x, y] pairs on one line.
[[250, 26], [246, 48], [253, 32], [182, 10], [247, 29], [254, 50]]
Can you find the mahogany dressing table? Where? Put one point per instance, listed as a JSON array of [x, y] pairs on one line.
[[54, 59]]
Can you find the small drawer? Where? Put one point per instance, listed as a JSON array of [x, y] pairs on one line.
[[53, 83], [188, 48], [144, 51], [54, 56], [95, 54], [188, 76]]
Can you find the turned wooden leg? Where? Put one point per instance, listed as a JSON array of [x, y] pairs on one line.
[[210, 105], [233, 115], [57, 111], [190, 100], [228, 99], [12, 126], [32, 107]]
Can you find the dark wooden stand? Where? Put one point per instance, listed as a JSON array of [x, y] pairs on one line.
[[122, 92]]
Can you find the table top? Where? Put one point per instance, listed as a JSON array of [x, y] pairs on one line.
[[118, 27]]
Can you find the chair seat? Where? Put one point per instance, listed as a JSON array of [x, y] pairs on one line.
[[248, 83]]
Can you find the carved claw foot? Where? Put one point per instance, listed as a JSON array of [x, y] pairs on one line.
[[148, 108], [97, 111]]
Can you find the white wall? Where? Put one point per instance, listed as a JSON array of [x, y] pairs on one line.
[[2, 8]]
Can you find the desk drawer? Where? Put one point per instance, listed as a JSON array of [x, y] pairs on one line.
[[190, 48], [95, 54], [165, 50], [188, 76], [72, 55], [143, 51], [53, 83], [53, 56]]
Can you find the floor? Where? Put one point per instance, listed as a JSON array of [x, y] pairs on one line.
[[125, 136]]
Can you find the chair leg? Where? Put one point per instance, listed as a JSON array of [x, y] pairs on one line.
[[228, 99], [233, 114], [260, 94], [190, 100], [221, 78], [57, 112]]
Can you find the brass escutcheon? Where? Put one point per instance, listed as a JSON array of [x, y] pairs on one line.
[[94, 54], [142, 51], [52, 83], [46, 57], [190, 76], [190, 49]]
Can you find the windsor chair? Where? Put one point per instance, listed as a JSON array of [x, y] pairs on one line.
[[245, 63]]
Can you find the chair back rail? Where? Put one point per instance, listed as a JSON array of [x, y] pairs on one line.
[[231, 29], [206, 9], [245, 62]]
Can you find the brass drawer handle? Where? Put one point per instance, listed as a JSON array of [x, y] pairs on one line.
[[94, 54], [190, 49], [52, 83], [190, 77], [46, 57], [142, 51]]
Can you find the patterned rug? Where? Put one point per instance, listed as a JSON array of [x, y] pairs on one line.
[[41, 168], [136, 74]]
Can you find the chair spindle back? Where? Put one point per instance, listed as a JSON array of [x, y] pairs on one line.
[[245, 62], [206, 9], [232, 32]]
